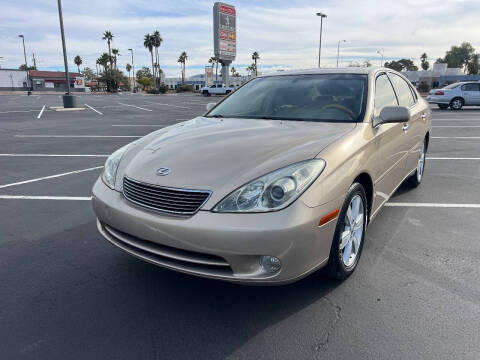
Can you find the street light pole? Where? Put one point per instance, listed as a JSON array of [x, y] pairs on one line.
[[378, 52], [320, 42], [26, 65], [133, 68], [338, 49], [68, 99]]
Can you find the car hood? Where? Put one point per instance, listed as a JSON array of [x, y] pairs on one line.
[[222, 154]]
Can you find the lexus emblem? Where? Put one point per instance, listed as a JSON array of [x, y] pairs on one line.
[[163, 171]]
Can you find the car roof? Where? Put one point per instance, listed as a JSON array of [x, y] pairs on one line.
[[348, 70]]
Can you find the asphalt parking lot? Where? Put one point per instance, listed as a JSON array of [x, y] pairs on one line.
[[66, 293]]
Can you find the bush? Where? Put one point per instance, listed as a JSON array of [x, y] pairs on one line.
[[184, 88], [163, 88], [153, 91]]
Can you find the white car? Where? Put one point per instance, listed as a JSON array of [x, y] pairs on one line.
[[456, 95], [218, 89]]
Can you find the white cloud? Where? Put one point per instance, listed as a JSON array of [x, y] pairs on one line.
[[285, 33]]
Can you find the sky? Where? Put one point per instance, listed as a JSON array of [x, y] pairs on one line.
[[284, 32]]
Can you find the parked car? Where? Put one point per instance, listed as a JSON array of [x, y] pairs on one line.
[[456, 95], [218, 89], [277, 180]]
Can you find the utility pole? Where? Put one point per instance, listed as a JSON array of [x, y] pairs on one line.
[[133, 68], [338, 49], [68, 99], [378, 52], [320, 42], [29, 92], [34, 62]]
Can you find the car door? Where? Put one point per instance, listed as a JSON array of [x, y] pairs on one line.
[[389, 142], [471, 93], [414, 130]]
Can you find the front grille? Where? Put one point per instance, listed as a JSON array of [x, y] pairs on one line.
[[169, 200]]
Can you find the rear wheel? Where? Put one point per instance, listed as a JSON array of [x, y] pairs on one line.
[[456, 103], [349, 234], [205, 93], [415, 180], [443, 106]]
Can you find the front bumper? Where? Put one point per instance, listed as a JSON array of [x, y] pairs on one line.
[[215, 245], [432, 99]]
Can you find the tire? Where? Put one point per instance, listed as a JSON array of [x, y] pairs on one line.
[[456, 103], [205, 93], [340, 266], [227, 92], [416, 179], [443, 106]]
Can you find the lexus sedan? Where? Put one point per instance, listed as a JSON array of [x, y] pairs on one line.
[[277, 180], [456, 95]]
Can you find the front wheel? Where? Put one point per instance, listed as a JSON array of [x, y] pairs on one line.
[[349, 234], [416, 179]]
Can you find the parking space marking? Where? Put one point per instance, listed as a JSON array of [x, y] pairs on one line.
[[50, 155], [138, 107], [93, 109], [29, 197], [78, 136], [41, 112], [453, 158], [455, 137], [171, 105], [439, 205], [456, 126], [457, 119], [141, 125], [50, 177]]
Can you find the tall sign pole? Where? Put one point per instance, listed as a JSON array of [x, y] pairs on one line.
[[224, 36], [68, 99]]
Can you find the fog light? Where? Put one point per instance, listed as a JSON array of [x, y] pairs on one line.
[[270, 264]]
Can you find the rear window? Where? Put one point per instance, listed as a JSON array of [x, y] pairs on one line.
[[451, 86]]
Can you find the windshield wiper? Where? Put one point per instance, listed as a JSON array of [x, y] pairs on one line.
[[216, 116]]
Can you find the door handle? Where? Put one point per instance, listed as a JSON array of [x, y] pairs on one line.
[[405, 127]]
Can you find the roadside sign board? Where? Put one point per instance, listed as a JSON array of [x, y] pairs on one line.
[[224, 31]]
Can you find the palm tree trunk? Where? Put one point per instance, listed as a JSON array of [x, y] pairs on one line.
[[78, 66], [153, 67], [256, 72]]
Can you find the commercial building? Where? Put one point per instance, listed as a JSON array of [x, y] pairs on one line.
[[440, 75], [55, 80], [13, 80]]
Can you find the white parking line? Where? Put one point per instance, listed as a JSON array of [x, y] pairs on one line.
[[93, 109], [453, 158], [41, 112], [455, 137], [138, 107], [456, 126], [77, 136], [142, 125], [457, 119], [50, 155], [29, 197], [50, 177], [393, 204], [177, 106]]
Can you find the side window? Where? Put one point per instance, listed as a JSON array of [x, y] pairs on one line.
[[404, 94], [471, 87], [384, 94]]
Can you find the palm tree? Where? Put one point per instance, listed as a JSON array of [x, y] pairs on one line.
[[233, 71], [128, 67], [255, 57], [182, 60], [78, 61], [115, 53], [107, 35], [157, 41], [148, 42], [214, 61]]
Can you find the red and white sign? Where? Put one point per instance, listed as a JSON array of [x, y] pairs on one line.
[[226, 9], [226, 35]]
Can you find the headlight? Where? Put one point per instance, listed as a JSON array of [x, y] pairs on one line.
[[111, 166], [273, 191]]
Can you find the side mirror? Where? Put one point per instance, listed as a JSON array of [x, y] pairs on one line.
[[392, 114], [210, 106]]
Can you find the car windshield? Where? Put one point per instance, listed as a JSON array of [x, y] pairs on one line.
[[452, 86], [319, 97]]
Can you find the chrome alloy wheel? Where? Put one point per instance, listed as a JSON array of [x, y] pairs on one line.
[[352, 233], [421, 163], [456, 104]]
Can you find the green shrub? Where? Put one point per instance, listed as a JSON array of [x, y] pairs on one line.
[[184, 88], [423, 87]]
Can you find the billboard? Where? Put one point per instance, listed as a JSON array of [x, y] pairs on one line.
[[224, 31]]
